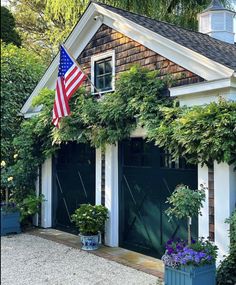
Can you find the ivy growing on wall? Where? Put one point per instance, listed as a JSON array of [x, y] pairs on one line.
[[200, 134]]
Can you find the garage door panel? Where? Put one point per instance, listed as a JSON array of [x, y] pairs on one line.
[[147, 178], [74, 182]]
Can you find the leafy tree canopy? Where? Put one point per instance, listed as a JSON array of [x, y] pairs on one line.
[[45, 24], [8, 32], [20, 71]]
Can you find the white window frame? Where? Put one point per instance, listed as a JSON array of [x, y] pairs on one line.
[[94, 59]]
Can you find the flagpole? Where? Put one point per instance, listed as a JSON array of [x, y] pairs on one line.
[[99, 92]]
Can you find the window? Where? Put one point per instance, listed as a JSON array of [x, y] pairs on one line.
[[137, 153], [103, 72], [166, 161]]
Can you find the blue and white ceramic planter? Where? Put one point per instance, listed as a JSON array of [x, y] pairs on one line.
[[191, 275], [89, 242]]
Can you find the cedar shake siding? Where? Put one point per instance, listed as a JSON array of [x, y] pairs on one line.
[[128, 53]]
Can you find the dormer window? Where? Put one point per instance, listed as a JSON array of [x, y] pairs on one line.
[[103, 72]]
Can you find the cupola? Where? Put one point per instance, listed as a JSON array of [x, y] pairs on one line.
[[217, 22]]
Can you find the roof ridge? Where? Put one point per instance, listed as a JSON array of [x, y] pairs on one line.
[[164, 22]]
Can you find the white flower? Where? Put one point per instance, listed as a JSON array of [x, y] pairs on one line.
[[3, 163], [10, 178]]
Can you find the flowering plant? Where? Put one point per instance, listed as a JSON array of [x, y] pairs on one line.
[[179, 253], [7, 185], [90, 219]]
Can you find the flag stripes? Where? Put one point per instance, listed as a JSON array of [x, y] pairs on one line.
[[70, 77]]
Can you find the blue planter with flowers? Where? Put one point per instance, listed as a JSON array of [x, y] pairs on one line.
[[190, 264], [191, 275]]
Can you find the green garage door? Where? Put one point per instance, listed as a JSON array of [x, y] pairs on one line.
[[147, 178], [73, 182]]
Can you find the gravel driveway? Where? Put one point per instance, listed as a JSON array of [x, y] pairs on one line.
[[27, 259]]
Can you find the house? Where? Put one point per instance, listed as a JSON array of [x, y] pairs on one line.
[[106, 41]]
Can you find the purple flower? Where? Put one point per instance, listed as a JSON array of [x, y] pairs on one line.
[[170, 241]]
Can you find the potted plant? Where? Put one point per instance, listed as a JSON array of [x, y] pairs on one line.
[[28, 207], [188, 262], [90, 221], [10, 215]]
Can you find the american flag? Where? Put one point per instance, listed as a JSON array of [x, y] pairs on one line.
[[70, 77]]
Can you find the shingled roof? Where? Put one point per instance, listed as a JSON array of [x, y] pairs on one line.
[[219, 51]]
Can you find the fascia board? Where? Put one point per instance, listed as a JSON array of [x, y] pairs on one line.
[[189, 59], [82, 33], [203, 87]]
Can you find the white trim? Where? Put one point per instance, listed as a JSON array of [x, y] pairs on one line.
[[203, 220], [98, 192], [100, 56], [225, 202], [46, 209], [87, 27], [139, 132], [112, 197], [82, 34], [201, 87]]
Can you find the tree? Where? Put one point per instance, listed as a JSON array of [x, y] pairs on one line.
[[20, 71], [8, 32], [46, 23]]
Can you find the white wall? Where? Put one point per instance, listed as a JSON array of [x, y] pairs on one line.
[[112, 198], [206, 98], [225, 201], [46, 210], [203, 220]]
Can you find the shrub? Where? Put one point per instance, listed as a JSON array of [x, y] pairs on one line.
[[29, 207], [185, 203], [226, 273], [90, 219]]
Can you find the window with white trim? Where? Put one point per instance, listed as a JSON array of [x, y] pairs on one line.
[[103, 72]]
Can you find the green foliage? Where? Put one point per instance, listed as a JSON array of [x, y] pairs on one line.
[[185, 202], [46, 23], [8, 32], [20, 71], [98, 122], [29, 206], [90, 219], [201, 134], [232, 232], [137, 99], [226, 273]]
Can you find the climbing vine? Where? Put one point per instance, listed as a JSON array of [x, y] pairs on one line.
[[200, 134]]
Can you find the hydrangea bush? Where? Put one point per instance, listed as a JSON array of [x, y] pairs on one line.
[[179, 253], [90, 219]]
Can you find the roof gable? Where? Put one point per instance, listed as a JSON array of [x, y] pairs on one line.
[[219, 51], [142, 30]]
